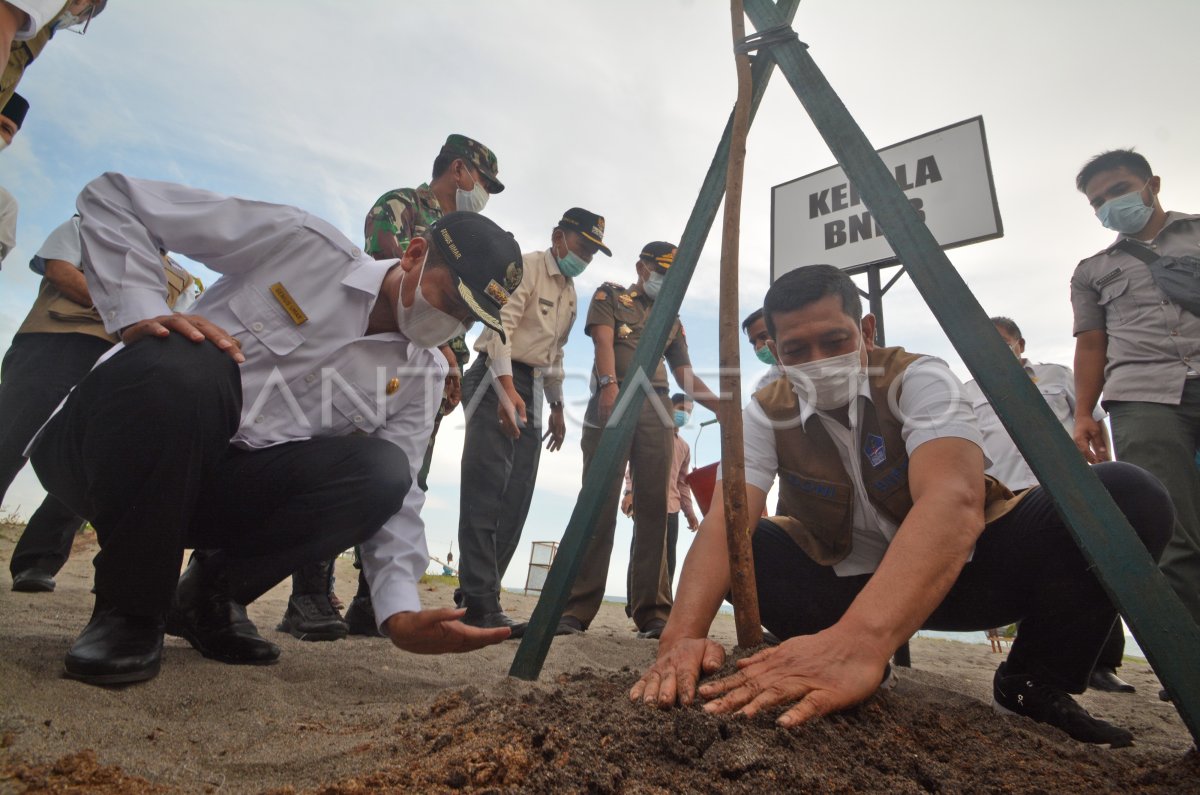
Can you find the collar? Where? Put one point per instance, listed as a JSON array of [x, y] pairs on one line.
[[1172, 218], [426, 196], [367, 273], [551, 264], [806, 410]]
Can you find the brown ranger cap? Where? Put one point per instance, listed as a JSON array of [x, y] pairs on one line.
[[485, 259], [477, 155], [658, 255], [588, 224]]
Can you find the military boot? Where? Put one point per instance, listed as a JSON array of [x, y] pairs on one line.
[[310, 614]]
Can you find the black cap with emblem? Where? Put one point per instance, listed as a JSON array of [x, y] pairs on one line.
[[485, 259]]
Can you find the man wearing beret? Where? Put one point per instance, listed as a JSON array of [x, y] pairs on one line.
[[464, 175], [503, 392], [12, 116], [275, 426], [615, 321]]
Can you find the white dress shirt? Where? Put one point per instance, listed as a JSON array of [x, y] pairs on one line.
[[931, 407], [1056, 383], [309, 372], [39, 12]]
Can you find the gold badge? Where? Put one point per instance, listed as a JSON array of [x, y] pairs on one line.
[[496, 292], [626, 299], [288, 303], [393, 386], [623, 331]]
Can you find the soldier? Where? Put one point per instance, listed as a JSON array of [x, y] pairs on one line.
[[506, 383], [464, 175], [615, 321]]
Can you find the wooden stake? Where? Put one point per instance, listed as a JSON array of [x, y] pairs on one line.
[[733, 464]]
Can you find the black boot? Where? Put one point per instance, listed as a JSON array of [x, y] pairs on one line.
[[310, 615], [360, 618], [206, 616], [486, 614], [115, 648]]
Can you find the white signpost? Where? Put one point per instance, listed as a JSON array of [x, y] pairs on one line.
[[946, 174]]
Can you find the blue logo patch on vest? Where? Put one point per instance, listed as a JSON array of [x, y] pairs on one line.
[[873, 449]]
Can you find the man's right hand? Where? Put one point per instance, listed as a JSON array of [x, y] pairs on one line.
[[1089, 438], [196, 328], [608, 399], [676, 672], [439, 632], [510, 408]]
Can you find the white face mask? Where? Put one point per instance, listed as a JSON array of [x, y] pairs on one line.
[[473, 200], [423, 323], [652, 285], [828, 384]]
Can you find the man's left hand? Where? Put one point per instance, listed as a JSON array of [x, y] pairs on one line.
[[557, 431], [439, 632], [452, 393], [825, 673]]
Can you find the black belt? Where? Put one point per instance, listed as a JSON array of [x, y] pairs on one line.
[[516, 366]]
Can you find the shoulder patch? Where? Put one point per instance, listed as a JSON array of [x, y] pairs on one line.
[[613, 286], [600, 295]]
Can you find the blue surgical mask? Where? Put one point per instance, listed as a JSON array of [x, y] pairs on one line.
[[652, 285], [764, 355], [1126, 214], [571, 264], [681, 418]]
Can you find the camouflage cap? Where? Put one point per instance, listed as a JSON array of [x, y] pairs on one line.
[[15, 109], [588, 224], [477, 155], [485, 259], [658, 255]]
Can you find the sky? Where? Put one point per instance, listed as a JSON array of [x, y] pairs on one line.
[[616, 106]]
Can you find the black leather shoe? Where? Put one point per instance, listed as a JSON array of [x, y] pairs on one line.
[[33, 581], [495, 620], [569, 625], [205, 615], [360, 618], [1106, 679], [311, 616], [116, 648], [653, 630]]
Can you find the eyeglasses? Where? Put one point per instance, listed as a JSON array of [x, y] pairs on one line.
[[85, 17]]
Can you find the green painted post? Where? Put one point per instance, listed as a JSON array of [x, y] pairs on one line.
[[1158, 619], [531, 654]]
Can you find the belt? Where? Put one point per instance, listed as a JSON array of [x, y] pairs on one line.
[[520, 367]]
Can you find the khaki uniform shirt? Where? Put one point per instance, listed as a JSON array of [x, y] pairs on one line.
[[626, 311], [537, 321], [1153, 345]]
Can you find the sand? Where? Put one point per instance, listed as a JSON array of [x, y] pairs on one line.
[[361, 716]]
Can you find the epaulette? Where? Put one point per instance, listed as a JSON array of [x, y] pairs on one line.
[[614, 286]]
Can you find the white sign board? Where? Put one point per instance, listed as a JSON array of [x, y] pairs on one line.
[[946, 174]]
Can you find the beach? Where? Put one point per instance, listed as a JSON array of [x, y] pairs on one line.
[[359, 715]]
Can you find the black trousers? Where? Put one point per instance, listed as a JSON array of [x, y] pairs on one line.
[[1026, 568], [496, 489], [38, 372], [141, 449]]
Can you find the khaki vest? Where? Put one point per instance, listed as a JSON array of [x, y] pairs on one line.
[[54, 313], [816, 498]]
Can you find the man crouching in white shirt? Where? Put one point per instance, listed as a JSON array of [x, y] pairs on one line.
[[279, 423]]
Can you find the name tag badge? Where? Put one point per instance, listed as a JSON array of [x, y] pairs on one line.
[[874, 449], [1108, 277], [288, 303]]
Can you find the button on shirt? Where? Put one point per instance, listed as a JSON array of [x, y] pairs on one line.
[[319, 377], [931, 406], [537, 321], [1152, 343], [1056, 384]]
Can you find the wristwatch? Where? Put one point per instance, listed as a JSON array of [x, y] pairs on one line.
[[556, 404], [605, 380]]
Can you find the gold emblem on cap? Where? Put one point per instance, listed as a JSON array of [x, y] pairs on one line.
[[496, 292], [393, 386], [624, 331]]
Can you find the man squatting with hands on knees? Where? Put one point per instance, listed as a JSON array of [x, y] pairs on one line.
[[280, 422], [888, 525]]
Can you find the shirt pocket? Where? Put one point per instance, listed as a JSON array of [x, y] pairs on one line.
[[1055, 396], [353, 408], [1117, 300], [265, 320]]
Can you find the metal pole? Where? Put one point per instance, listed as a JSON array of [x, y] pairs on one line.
[[531, 654], [875, 297]]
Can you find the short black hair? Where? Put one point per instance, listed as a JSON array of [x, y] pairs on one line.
[[1009, 325], [443, 161], [751, 319], [1112, 159], [681, 397], [800, 287]]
